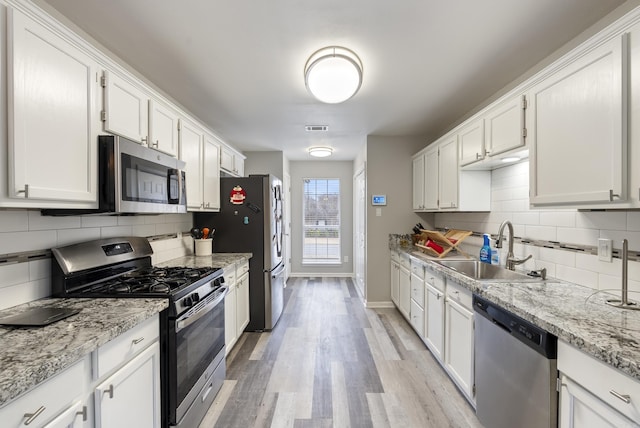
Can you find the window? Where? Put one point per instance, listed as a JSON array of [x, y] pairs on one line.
[[321, 221]]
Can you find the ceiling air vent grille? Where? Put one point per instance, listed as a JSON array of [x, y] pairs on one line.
[[316, 128]]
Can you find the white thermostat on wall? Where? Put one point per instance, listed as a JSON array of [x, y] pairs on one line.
[[379, 200]]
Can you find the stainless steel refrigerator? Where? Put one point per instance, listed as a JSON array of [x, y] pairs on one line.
[[250, 221]]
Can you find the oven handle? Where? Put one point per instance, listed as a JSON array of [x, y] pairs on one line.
[[190, 319]]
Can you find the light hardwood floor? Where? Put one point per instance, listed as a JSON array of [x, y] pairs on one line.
[[330, 362]]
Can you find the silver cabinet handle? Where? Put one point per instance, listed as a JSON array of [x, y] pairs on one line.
[[624, 397], [32, 416], [138, 340], [83, 413], [612, 195], [110, 391], [156, 144], [25, 191], [143, 140]]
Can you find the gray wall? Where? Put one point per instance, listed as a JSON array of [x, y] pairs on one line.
[[271, 162], [322, 169], [388, 164]]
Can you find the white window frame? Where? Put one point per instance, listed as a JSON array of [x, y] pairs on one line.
[[317, 243]]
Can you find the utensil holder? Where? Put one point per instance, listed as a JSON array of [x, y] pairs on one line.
[[204, 247]]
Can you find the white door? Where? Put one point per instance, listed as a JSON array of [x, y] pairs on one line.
[[163, 128], [52, 88], [360, 231], [286, 202], [504, 126], [395, 283], [405, 292], [191, 142], [418, 183], [434, 321], [448, 173], [210, 174], [131, 396], [431, 179], [126, 108], [471, 141], [459, 345]]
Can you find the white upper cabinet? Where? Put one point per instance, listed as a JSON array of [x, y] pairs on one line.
[[231, 162], [211, 173], [504, 126], [53, 119], [191, 141], [431, 178], [471, 142], [418, 183], [163, 127], [125, 108], [448, 172], [576, 125]]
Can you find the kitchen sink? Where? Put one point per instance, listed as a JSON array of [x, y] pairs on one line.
[[479, 271]]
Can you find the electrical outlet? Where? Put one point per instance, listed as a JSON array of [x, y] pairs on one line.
[[605, 250]]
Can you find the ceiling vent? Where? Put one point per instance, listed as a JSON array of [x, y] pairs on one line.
[[316, 128]]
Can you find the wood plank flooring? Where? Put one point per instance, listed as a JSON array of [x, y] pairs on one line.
[[330, 362]]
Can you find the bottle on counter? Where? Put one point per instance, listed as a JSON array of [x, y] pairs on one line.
[[495, 253], [485, 251]]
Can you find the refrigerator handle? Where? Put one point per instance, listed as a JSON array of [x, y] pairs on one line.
[[278, 271]]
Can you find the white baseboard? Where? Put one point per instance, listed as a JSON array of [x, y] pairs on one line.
[[380, 305]]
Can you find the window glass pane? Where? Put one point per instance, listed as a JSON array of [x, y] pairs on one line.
[[321, 221]]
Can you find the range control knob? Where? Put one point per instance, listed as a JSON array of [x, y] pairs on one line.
[[188, 301], [195, 297]]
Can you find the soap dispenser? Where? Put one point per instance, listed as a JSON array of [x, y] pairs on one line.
[[485, 251], [495, 253]]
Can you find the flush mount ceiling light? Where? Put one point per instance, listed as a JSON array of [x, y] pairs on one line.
[[320, 152], [333, 74]]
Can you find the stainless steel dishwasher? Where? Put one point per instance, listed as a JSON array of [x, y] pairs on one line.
[[516, 371]]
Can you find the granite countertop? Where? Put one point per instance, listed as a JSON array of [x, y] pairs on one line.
[[574, 313], [221, 260], [29, 356]]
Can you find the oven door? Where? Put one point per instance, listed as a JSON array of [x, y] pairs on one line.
[[199, 339]]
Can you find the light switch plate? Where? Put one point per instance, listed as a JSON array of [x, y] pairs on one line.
[[604, 250]]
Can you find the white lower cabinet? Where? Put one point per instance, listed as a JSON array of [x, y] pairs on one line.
[[51, 403], [458, 355], [236, 303], [395, 282], [242, 303], [230, 326], [434, 318], [131, 396], [594, 394], [404, 291]]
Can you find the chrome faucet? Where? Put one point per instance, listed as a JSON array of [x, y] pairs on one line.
[[511, 260]]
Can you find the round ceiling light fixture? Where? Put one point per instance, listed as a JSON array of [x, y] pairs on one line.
[[333, 74], [320, 152]]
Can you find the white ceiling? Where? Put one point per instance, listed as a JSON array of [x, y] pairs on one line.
[[238, 65]]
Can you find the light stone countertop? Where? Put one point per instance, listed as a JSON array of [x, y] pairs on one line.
[[221, 260], [31, 355], [574, 313]]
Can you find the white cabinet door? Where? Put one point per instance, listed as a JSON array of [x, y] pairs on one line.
[[417, 318], [404, 294], [576, 124], [74, 417], [504, 126], [191, 143], [53, 120], [448, 173], [211, 174], [434, 321], [471, 141], [239, 163], [126, 108], [242, 303], [395, 283], [459, 345], [163, 128], [581, 409], [227, 159], [431, 179], [131, 396], [230, 319], [418, 183]]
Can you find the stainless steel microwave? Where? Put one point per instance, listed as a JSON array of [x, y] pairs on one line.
[[134, 179]]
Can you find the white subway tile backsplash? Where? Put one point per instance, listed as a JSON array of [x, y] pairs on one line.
[[633, 220], [23, 293], [545, 233], [515, 205], [561, 257], [610, 283], [40, 222], [99, 220], [558, 218], [14, 242], [73, 236], [617, 236], [578, 236], [591, 262], [39, 269], [611, 220], [527, 218], [116, 231], [13, 221], [13, 274], [579, 276], [143, 230]]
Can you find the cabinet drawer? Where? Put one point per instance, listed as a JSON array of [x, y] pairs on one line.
[[417, 318], [395, 257], [603, 381], [417, 290], [459, 294], [435, 280], [124, 347], [242, 268], [54, 397], [230, 275], [417, 269]]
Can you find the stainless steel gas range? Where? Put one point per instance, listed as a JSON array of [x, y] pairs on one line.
[[191, 329]]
